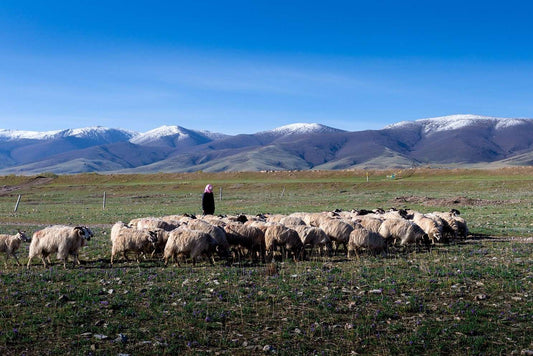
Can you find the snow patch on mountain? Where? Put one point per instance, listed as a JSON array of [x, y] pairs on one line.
[[86, 132], [10, 135], [158, 133], [176, 133], [455, 122], [303, 128]]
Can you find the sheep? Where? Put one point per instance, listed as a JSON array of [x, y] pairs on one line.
[[126, 239], [448, 233], [462, 228], [291, 220], [287, 238], [216, 232], [404, 230], [192, 243], [337, 230], [11, 243], [370, 222], [456, 222], [60, 239], [314, 237], [246, 236], [151, 223], [429, 226], [361, 238]]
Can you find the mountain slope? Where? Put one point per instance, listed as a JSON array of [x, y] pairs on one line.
[[465, 140]]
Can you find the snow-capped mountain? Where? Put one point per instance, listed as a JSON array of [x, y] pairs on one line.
[[174, 136], [302, 129], [456, 140], [456, 122]]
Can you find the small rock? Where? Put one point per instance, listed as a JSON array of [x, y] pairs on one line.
[[101, 337], [268, 348], [481, 296], [121, 338], [87, 334], [376, 291]]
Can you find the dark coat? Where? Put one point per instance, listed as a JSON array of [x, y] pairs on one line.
[[208, 203]]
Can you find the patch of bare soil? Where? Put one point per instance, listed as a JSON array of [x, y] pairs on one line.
[[8, 189], [461, 201]]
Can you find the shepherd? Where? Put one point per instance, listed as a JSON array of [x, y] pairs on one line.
[[208, 200]]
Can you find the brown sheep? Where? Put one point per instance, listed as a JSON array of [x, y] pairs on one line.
[[11, 243]]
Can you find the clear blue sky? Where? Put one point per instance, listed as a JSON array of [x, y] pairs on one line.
[[247, 66]]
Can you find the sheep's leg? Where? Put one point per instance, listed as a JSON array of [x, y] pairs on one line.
[[29, 262], [44, 262], [16, 258]]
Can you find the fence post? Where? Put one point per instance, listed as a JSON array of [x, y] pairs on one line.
[[220, 194], [282, 193], [103, 202], [17, 204]]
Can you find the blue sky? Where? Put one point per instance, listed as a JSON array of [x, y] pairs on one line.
[[247, 66]]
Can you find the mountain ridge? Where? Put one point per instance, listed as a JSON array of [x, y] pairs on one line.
[[449, 140]]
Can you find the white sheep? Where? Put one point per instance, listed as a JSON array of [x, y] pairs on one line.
[[248, 237], [11, 243], [370, 222], [151, 223], [60, 239], [337, 230], [126, 239], [406, 231], [192, 243], [429, 225], [288, 239], [361, 238], [216, 232], [314, 237]]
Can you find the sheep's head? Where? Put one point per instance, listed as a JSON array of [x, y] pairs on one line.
[[80, 230], [152, 236], [88, 233], [22, 235]]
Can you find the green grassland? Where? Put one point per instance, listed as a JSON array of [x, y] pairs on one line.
[[469, 297]]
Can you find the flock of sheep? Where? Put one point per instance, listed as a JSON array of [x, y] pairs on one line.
[[259, 238]]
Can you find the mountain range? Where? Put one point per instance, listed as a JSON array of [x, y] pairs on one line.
[[450, 141]]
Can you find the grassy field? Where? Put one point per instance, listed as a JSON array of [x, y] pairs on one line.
[[470, 297]]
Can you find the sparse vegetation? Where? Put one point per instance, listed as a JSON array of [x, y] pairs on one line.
[[472, 297]]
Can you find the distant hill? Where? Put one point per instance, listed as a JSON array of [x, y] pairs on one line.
[[459, 140]]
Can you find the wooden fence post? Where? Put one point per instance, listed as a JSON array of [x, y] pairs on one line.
[[17, 204], [103, 202]]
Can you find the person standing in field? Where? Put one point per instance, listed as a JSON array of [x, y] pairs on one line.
[[208, 200]]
